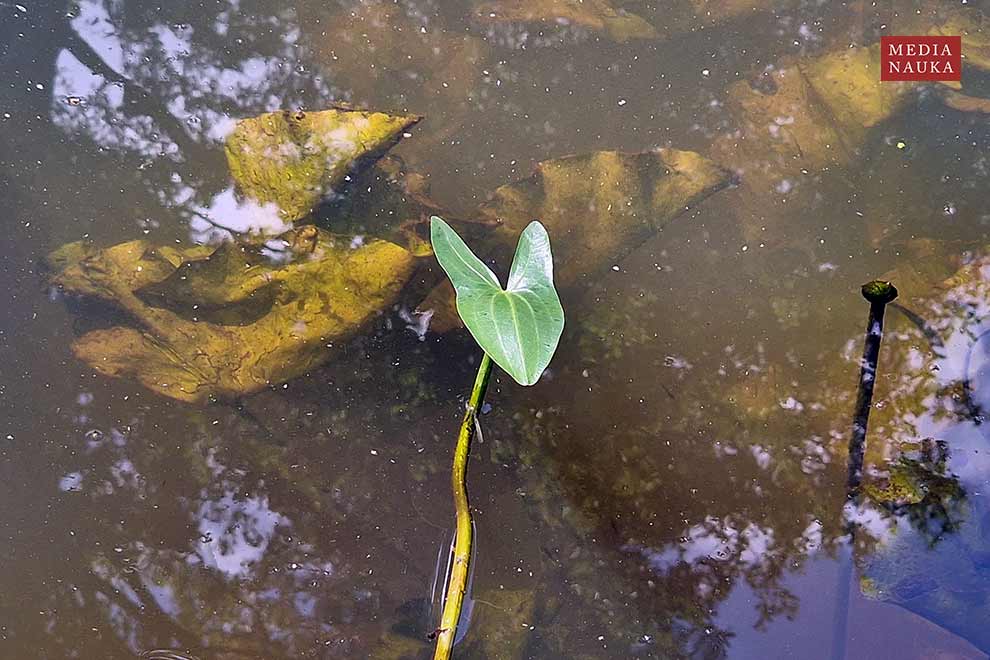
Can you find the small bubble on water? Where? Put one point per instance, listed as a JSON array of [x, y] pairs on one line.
[[94, 435]]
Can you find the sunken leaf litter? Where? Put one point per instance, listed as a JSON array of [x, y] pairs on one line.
[[295, 159], [234, 321]]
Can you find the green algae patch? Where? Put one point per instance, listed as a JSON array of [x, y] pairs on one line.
[[902, 487], [598, 206], [235, 320], [595, 15], [296, 159]]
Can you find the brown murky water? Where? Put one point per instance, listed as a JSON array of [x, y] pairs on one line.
[[673, 486]]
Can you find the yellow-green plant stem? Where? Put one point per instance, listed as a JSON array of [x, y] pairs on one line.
[[460, 568]]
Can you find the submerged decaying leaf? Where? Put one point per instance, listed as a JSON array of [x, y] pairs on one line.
[[847, 80], [237, 320], [598, 207], [785, 136], [380, 50], [805, 118], [809, 116], [596, 15], [974, 28], [848, 83], [295, 159]]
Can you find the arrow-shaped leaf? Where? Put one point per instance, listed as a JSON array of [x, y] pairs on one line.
[[518, 326]]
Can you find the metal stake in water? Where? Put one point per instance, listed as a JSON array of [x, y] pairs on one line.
[[879, 294]]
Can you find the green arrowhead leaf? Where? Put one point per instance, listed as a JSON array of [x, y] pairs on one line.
[[518, 326]]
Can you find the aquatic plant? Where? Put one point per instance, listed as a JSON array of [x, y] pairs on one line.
[[518, 328]]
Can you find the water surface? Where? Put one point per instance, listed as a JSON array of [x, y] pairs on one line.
[[672, 488]]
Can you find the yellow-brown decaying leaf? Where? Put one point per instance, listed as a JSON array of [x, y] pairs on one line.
[[597, 206], [295, 159], [266, 320], [810, 115]]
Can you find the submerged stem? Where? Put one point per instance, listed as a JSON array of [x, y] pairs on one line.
[[462, 538]]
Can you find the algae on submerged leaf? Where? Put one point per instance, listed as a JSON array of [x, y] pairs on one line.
[[602, 205], [295, 159], [264, 318]]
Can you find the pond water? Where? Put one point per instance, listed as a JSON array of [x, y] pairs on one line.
[[673, 486]]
